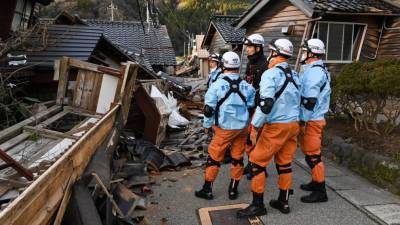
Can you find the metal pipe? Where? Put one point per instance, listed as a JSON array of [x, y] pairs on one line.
[[379, 41]]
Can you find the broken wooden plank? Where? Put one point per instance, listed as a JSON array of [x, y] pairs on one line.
[[63, 80], [64, 202], [109, 195], [17, 128], [15, 165]]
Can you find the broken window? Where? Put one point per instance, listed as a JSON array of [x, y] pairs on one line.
[[342, 40]]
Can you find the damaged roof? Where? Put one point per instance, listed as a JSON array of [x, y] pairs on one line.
[[309, 7], [224, 26], [152, 41], [75, 41], [61, 40]]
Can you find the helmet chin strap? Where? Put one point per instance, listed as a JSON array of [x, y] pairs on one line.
[[304, 61], [272, 55]]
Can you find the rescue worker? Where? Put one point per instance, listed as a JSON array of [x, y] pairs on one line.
[[226, 110], [278, 111], [214, 66], [257, 61], [255, 68], [315, 98]]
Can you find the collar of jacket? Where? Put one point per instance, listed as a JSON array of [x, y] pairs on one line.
[[256, 57], [318, 62], [276, 61], [232, 76]]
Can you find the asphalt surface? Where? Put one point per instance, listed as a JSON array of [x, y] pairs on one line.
[[174, 203]]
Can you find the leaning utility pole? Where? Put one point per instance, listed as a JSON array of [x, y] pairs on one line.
[[112, 7]]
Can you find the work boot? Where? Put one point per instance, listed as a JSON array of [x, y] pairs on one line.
[[308, 187], [205, 192], [233, 192], [256, 208], [317, 195], [282, 204]]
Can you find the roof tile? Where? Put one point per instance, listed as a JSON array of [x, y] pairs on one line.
[[224, 26], [153, 42]]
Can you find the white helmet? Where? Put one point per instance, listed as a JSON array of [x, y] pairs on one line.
[[254, 39], [282, 47], [214, 57], [315, 46], [231, 60]]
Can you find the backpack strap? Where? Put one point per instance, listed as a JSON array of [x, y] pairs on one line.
[[216, 77], [211, 81], [326, 74], [233, 88], [289, 79]]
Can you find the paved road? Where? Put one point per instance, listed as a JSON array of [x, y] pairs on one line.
[[177, 204]]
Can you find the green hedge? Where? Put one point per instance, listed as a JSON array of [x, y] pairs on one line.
[[373, 87]]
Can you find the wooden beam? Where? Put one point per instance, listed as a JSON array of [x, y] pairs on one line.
[[62, 80], [14, 130], [93, 67], [15, 165], [109, 71], [50, 133], [83, 65], [54, 118], [14, 141], [56, 75]]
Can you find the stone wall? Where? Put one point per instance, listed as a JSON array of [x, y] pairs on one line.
[[379, 169]]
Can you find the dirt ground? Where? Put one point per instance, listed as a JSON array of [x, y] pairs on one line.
[[386, 145]]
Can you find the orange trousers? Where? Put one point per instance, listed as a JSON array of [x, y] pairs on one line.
[[216, 150], [310, 140], [277, 140]]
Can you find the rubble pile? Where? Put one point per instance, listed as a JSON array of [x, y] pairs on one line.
[[120, 195]]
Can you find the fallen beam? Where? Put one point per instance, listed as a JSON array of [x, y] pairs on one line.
[[15, 165]]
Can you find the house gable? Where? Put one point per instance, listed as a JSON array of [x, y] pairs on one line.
[[269, 24], [259, 5]]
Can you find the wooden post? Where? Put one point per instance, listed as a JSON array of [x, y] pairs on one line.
[[62, 80]]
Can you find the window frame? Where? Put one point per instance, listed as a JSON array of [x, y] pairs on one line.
[[24, 13], [353, 42]]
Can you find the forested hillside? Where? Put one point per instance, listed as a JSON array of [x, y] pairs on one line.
[[182, 17]]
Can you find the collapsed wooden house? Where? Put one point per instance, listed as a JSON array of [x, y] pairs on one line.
[[67, 36], [54, 147], [353, 30]]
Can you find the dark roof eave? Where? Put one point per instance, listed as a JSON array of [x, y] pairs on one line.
[[356, 14], [206, 38], [260, 4]]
